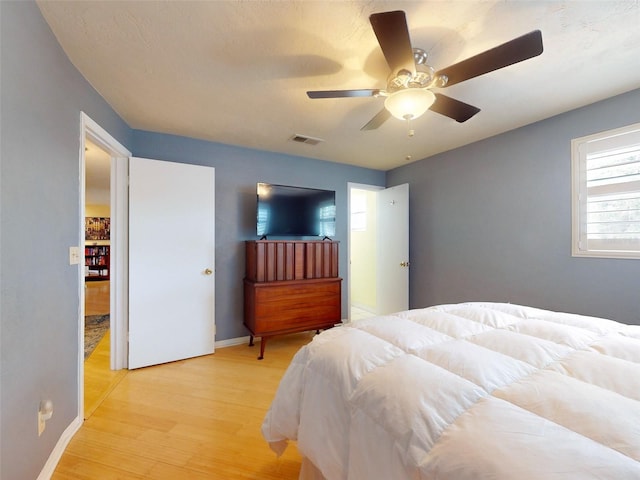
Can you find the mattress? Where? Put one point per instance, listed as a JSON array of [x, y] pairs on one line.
[[465, 391]]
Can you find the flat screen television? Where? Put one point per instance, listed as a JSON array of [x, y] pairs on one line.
[[289, 211]]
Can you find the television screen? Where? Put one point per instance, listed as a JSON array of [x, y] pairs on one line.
[[295, 211]]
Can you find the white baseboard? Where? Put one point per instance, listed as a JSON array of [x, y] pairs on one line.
[[232, 342], [364, 306], [56, 454]]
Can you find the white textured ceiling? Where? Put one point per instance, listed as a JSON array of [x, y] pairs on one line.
[[237, 72]]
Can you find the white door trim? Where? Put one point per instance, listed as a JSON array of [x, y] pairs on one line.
[[118, 267]]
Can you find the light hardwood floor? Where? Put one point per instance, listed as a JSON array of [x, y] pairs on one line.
[[99, 379], [193, 419], [96, 297]]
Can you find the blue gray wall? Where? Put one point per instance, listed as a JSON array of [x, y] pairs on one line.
[[491, 221], [42, 95], [237, 172]]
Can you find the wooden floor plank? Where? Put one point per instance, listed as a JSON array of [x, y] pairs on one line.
[[99, 379], [198, 418]]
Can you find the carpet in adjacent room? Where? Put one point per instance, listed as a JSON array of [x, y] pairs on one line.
[[95, 327]]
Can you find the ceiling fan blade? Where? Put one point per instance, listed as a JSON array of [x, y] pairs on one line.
[[381, 117], [343, 93], [393, 36], [514, 51], [452, 108]]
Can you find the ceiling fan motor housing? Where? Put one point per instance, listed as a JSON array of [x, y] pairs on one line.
[[423, 78]]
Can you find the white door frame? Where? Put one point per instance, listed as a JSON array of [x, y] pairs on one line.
[[119, 253], [353, 186]]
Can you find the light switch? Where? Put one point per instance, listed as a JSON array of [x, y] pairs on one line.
[[74, 255]]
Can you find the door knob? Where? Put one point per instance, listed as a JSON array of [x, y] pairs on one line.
[[208, 271], [404, 264]]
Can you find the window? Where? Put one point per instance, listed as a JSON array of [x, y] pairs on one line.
[[328, 221], [606, 194]]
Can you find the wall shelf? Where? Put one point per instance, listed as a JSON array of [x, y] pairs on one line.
[[96, 262]]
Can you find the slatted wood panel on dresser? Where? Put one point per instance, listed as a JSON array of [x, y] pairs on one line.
[[290, 286], [270, 261]]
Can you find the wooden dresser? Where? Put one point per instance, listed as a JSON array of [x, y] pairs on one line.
[[290, 286]]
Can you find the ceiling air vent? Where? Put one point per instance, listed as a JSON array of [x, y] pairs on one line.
[[305, 139]]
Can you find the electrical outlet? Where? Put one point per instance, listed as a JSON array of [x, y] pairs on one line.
[[42, 423], [45, 412]]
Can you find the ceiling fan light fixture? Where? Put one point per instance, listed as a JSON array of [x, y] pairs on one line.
[[409, 103]]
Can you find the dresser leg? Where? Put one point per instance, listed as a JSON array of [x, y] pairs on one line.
[[251, 340], [263, 343]]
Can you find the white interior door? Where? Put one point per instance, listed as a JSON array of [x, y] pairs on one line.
[[171, 261], [393, 250]]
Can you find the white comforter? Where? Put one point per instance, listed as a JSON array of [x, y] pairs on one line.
[[470, 391]]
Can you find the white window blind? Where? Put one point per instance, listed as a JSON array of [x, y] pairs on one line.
[[606, 194], [328, 221]]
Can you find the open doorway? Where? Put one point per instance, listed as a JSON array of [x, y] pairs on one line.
[[378, 250], [98, 377], [105, 267], [362, 252]]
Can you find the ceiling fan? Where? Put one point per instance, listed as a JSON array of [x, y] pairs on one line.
[[409, 86]]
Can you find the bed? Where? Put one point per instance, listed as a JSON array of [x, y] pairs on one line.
[[464, 392]]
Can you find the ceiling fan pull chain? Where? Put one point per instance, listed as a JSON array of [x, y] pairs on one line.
[[411, 132]]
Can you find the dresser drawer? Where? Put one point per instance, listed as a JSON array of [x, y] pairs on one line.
[[292, 306]]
